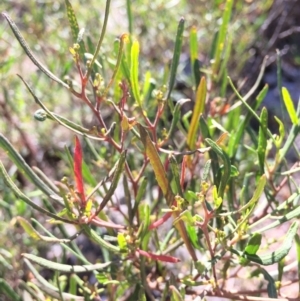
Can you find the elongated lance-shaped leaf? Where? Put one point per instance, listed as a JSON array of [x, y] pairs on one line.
[[78, 171], [253, 244], [262, 139], [47, 287], [256, 195], [289, 105], [42, 115], [236, 138], [271, 287], [26, 48], [175, 60], [248, 106], [74, 27], [277, 255], [227, 166], [8, 291], [222, 36], [176, 115], [36, 235], [134, 72], [123, 38], [176, 175], [164, 185], [99, 240], [103, 30], [65, 268], [10, 183], [26, 170], [194, 56], [198, 110]]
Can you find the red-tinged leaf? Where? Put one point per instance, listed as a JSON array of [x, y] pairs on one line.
[[78, 170], [164, 258], [160, 221]]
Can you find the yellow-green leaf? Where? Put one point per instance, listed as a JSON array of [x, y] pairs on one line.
[[35, 235], [289, 105], [198, 110]]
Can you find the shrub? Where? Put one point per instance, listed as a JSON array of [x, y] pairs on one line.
[[178, 203]]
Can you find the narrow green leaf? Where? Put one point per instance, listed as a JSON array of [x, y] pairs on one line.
[[103, 30], [176, 175], [25, 169], [175, 294], [279, 139], [37, 236], [194, 55], [99, 240], [197, 112], [220, 44], [256, 195], [213, 156], [65, 268], [176, 115], [289, 106], [10, 183], [175, 60], [206, 170], [48, 288], [280, 253], [227, 166], [26, 48], [134, 72], [8, 291], [130, 17], [118, 63], [262, 139], [261, 96], [253, 244], [271, 288]]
